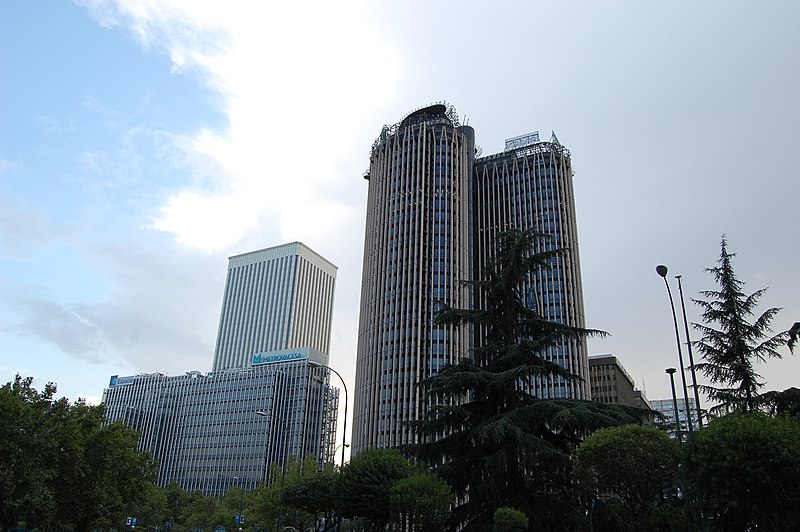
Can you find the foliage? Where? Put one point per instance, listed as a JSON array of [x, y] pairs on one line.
[[502, 446], [61, 465], [314, 493], [26, 470], [730, 350], [509, 520], [632, 463], [777, 403], [421, 502], [610, 515], [747, 468], [794, 334], [365, 485]]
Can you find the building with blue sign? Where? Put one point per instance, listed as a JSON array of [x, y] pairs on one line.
[[207, 429], [275, 298], [268, 399]]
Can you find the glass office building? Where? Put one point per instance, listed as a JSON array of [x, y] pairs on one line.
[[433, 210], [206, 430], [268, 399]]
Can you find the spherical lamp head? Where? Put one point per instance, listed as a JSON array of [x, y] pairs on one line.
[[662, 270]]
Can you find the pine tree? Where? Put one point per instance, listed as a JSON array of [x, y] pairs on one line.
[[489, 438], [730, 350]]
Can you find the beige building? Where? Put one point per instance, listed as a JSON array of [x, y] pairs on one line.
[[611, 384]]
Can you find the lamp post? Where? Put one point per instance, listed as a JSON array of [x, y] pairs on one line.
[[671, 373], [691, 357], [344, 423], [681, 465], [283, 467], [662, 271], [340, 445]]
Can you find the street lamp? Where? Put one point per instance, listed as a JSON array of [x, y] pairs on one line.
[[344, 423], [283, 467], [691, 357], [662, 271], [681, 465], [671, 372]]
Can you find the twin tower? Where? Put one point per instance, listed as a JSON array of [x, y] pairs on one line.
[[433, 211]]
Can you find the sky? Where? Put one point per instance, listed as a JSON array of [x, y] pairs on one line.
[[144, 142]]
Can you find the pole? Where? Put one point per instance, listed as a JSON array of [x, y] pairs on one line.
[[681, 465], [344, 423], [241, 501], [662, 271], [671, 372], [691, 357]]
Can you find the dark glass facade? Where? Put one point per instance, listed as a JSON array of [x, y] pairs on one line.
[[432, 212]]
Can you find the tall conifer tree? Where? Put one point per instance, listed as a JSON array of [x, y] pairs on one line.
[[731, 343], [489, 438]]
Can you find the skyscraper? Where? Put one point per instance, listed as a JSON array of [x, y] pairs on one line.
[[275, 298], [433, 211], [529, 186]]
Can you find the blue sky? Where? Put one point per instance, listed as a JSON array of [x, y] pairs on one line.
[[142, 143]]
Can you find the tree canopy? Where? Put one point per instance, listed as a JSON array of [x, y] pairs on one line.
[[61, 464], [488, 436], [366, 482], [747, 467], [731, 343], [633, 464]]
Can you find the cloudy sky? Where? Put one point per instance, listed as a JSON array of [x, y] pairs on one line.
[[144, 142]]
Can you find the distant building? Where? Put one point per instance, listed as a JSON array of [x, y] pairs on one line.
[[610, 383], [640, 400], [275, 298], [667, 409], [434, 209], [267, 399]]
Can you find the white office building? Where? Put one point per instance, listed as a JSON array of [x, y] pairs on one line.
[[268, 398], [275, 298]]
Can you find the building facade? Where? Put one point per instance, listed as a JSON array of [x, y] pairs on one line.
[[268, 398], [416, 253], [207, 430], [666, 408], [433, 211], [275, 298], [610, 383], [529, 186]]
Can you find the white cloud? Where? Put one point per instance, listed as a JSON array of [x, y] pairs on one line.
[[275, 66]]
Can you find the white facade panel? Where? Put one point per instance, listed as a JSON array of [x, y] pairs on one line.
[[275, 298]]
